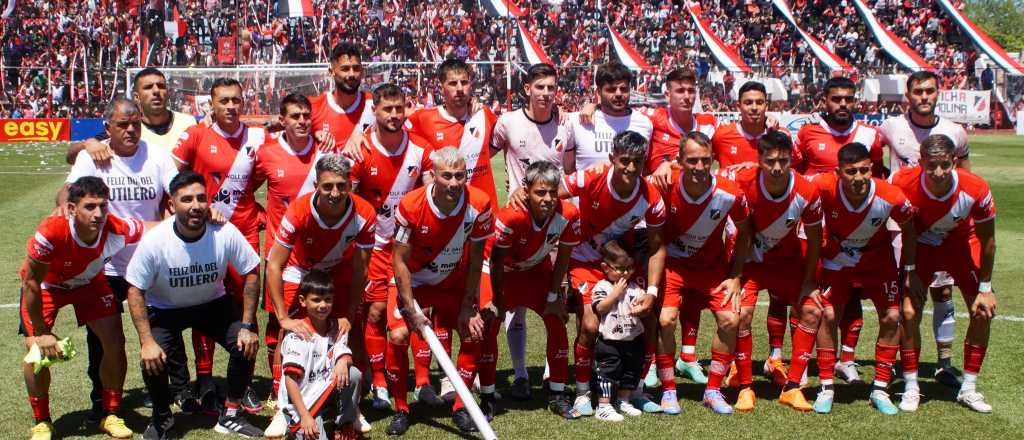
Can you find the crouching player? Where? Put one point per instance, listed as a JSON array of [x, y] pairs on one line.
[[522, 247], [318, 373]]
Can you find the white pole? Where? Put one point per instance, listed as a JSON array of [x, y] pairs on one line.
[[460, 387]]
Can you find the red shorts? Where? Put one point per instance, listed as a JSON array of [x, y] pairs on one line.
[[693, 288], [961, 261], [879, 284], [341, 279], [782, 280], [528, 288], [378, 276], [582, 277], [444, 300], [91, 302]]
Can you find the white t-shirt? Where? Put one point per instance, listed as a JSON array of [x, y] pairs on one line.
[[314, 361], [137, 185], [618, 324], [526, 141], [593, 143], [904, 139], [175, 273]]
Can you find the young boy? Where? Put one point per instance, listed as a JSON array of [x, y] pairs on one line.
[[318, 373], [619, 350]]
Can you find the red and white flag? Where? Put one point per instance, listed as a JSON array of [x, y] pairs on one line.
[[829, 59], [534, 52], [295, 8], [889, 42], [725, 55], [502, 8], [626, 53], [981, 39], [174, 26]]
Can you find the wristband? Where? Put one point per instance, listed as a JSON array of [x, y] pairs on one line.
[[552, 297], [247, 326], [652, 290], [985, 287], [909, 267]]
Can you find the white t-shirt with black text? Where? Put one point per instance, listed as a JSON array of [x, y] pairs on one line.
[[618, 324], [593, 142]]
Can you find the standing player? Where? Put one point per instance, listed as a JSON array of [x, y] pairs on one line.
[[76, 247], [904, 135], [391, 166], [698, 274], [439, 242], [780, 200], [524, 241], [819, 145], [533, 133], [956, 217], [857, 263], [345, 111], [592, 143], [225, 155]]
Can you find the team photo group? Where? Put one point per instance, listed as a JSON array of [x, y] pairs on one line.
[[382, 237]]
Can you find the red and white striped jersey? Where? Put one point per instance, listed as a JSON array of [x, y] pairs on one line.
[[857, 236], [72, 262], [434, 128], [289, 175], [775, 219], [317, 245], [437, 240], [732, 145], [383, 178], [947, 219], [667, 134], [693, 235], [227, 162], [819, 146], [604, 215], [328, 115], [529, 244]]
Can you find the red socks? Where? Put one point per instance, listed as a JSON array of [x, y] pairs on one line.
[[421, 355], [465, 363], [719, 367], [665, 369], [776, 332], [744, 357], [203, 346], [584, 362], [689, 323], [40, 407], [885, 357], [826, 363], [111, 400], [488, 363], [974, 355], [850, 335], [397, 367], [909, 358], [376, 343], [803, 343]]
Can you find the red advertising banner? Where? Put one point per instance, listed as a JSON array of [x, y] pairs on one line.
[[35, 130]]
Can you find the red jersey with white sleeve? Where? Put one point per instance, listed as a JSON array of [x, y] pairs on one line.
[[819, 146], [667, 134], [317, 245], [693, 234], [775, 219], [226, 160], [604, 215], [856, 237], [529, 245], [732, 145], [434, 128], [437, 240], [947, 219], [74, 263], [289, 174], [328, 115]]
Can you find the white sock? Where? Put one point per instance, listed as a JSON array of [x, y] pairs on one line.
[[911, 382], [775, 352], [515, 334], [970, 383]]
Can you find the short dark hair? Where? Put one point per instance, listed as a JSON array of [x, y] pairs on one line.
[[697, 137], [838, 82], [346, 49], [921, 76], [630, 143], [774, 140], [224, 82], [149, 71], [87, 186], [752, 85], [316, 282], [388, 90], [185, 178], [452, 65], [538, 71], [612, 250], [613, 72], [937, 144], [681, 74], [853, 152], [295, 99]]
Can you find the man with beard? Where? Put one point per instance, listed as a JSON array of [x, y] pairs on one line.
[[819, 146], [344, 111], [177, 283], [904, 135]]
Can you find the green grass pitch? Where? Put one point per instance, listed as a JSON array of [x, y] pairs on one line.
[[31, 174]]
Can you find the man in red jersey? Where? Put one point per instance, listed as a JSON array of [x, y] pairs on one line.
[[328, 229], [438, 248], [224, 154], [956, 219], [391, 166], [780, 201], [819, 144], [521, 265], [698, 274], [672, 123], [344, 111], [857, 262], [76, 248]]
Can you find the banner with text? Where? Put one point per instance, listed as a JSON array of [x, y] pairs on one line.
[[965, 106], [35, 130]]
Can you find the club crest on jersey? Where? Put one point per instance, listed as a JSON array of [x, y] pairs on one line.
[[790, 222], [411, 170], [347, 238], [552, 237], [559, 145], [715, 214], [251, 152], [474, 132], [876, 221], [634, 220], [467, 226]]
